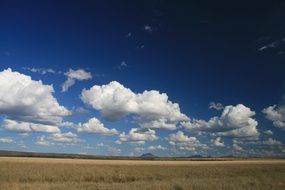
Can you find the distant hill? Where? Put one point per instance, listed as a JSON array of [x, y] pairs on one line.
[[195, 156], [147, 155]]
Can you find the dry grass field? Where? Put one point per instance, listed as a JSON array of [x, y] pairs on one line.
[[70, 174]]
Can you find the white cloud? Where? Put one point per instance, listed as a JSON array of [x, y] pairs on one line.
[[268, 132], [42, 141], [183, 142], [73, 75], [148, 28], [139, 149], [262, 48], [67, 124], [216, 106], [152, 109], [257, 143], [101, 145], [180, 137], [113, 151], [123, 64], [95, 126], [273, 44], [42, 71], [218, 142], [22, 144], [276, 115], [138, 136], [6, 140], [24, 99], [158, 124], [128, 35], [68, 138], [118, 142], [26, 127], [243, 132], [80, 111], [157, 147], [235, 121], [236, 147], [271, 141]]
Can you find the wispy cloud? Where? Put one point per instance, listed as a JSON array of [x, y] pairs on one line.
[[8, 140], [273, 44], [42, 71], [122, 65], [216, 106], [128, 35], [73, 75], [148, 28]]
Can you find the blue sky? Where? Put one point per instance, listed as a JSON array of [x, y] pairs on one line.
[[174, 79]]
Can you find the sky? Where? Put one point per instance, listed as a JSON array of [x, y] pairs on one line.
[[130, 77]]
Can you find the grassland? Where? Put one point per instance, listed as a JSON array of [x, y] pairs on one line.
[[70, 174]]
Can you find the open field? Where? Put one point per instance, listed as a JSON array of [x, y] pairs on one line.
[[70, 174]]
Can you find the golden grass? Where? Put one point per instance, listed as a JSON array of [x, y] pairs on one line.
[[71, 174]]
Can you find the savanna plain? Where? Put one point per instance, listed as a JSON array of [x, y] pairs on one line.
[[70, 174]]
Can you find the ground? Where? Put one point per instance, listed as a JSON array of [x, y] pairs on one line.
[[71, 174]]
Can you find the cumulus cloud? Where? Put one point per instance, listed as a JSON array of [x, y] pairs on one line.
[[68, 138], [157, 147], [183, 142], [271, 141], [181, 137], [151, 109], [138, 136], [235, 121], [243, 132], [42, 141], [7, 140], [216, 106], [258, 143], [24, 99], [95, 126], [218, 142], [26, 127], [73, 75], [276, 115]]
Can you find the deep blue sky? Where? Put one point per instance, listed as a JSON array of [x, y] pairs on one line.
[[197, 51]]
